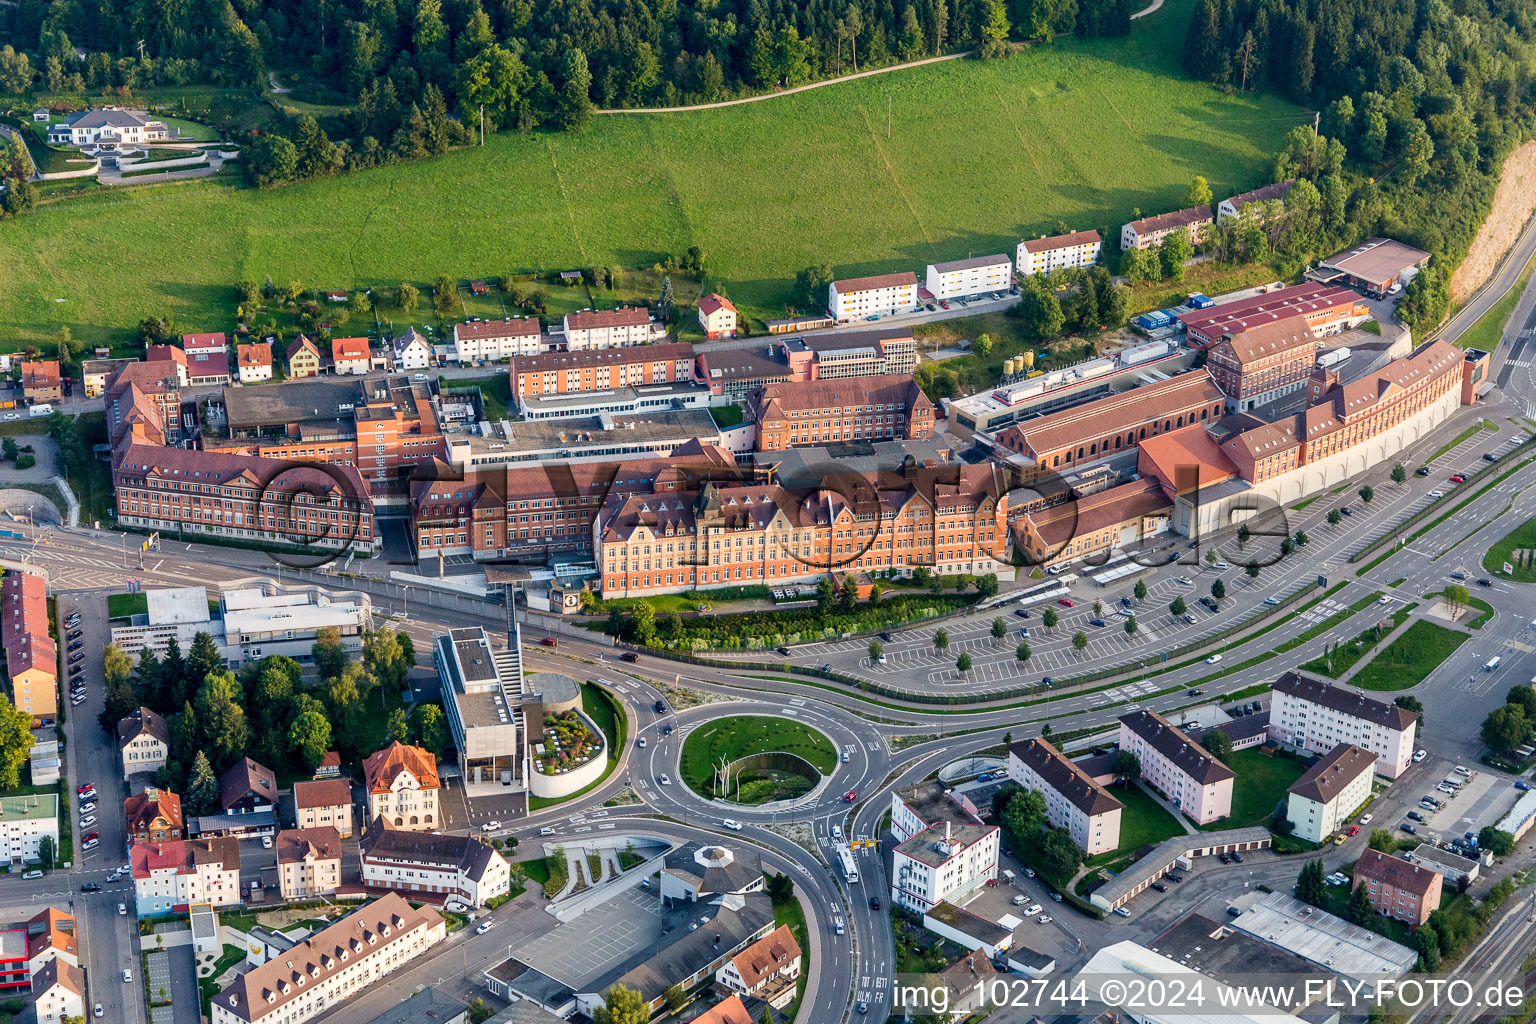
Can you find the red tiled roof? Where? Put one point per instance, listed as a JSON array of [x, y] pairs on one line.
[[349, 348], [380, 769], [1394, 871], [322, 793], [208, 364], [1067, 241], [254, 354], [712, 303], [163, 353], [196, 341], [624, 316], [520, 327], [867, 284], [28, 645]]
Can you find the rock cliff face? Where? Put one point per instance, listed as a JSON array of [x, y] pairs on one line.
[[1513, 203]]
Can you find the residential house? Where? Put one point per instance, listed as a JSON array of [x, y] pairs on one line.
[[41, 381], [611, 328], [1073, 800], [143, 742], [729, 1010], [208, 369], [31, 655], [1150, 231], [304, 359], [180, 872], [1336, 785], [717, 316], [403, 786], [153, 816], [767, 969], [489, 341], [247, 787], [1397, 888], [961, 279], [51, 936], [1046, 255], [324, 803], [192, 344], [350, 356], [410, 351], [94, 374], [330, 967], [254, 362], [862, 298], [58, 991], [434, 864], [1175, 765], [308, 862], [110, 128]]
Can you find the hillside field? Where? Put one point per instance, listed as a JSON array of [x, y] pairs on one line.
[[980, 154]]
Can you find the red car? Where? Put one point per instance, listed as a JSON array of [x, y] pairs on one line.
[[850, 796], [1457, 478], [1354, 830], [547, 641], [1065, 602]]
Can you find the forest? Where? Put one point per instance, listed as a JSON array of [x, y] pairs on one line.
[[403, 68], [1424, 99]]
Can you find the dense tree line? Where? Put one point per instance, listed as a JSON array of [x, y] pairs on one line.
[[267, 711], [1420, 101], [525, 63]]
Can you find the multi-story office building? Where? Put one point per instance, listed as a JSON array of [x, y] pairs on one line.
[[883, 295], [1047, 254], [943, 862], [331, 966], [1331, 790], [1312, 715], [1178, 767], [1265, 363], [1073, 800], [873, 353]]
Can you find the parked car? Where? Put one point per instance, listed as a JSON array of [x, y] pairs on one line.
[[1097, 623], [88, 821], [1409, 829], [1490, 457], [1366, 819], [1419, 755], [1415, 816], [1457, 478], [1237, 858], [1065, 602], [32, 875], [1159, 886], [1421, 471]]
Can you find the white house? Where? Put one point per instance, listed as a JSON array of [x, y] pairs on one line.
[[958, 279], [350, 356], [1232, 208], [254, 362], [1178, 767], [331, 966], [1331, 790], [430, 862], [717, 316], [109, 128], [610, 328], [883, 295], [767, 969], [403, 786], [58, 991], [143, 742], [24, 821], [1047, 254], [178, 872], [496, 340], [1073, 800], [410, 351], [946, 861], [1309, 714]]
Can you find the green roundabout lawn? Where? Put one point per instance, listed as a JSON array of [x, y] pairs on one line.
[[1523, 539], [726, 739]]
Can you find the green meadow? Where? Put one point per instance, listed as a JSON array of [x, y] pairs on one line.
[[1080, 132]]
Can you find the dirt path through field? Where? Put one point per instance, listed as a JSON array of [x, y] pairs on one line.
[[1513, 202]]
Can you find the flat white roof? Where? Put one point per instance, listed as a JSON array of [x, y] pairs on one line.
[[1323, 939], [1129, 961], [252, 611], [177, 605]]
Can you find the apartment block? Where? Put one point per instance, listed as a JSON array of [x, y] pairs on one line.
[[31, 655], [179, 872], [609, 328], [1073, 800], [960, 279], [1231, 209], [944, 862], [1045, 255], [492, 341], [1178, 767], [883, 295], [324, 803], [432, 864], [1398, 889], [308, 862], [1314, 716], [1324, 798], [1150, 231]]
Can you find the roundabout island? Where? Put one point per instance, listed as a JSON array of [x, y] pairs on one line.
[[756, 759]]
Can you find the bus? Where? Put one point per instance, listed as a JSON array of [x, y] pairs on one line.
[[850, 869]]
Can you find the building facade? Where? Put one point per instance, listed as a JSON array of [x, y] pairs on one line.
[[153, 816], [331, 966], [31, 654], [1150, 231], [41, 381], [254, 362], [1073, 800], [1327, 309], [1045, 255], [610, 328], [25, 821], [403, 787], [767, 969], [944, 862], [1313, 716], [432, 864], [1181, 769], [350, 356], [562, 373], [308, 862], [717, 317], [862, 297], [1397, 888], [959, 279], [1263, 364], [143, 742], [1324, 798], [304, 358], [493, 341], [822, 412], [324, 803], [179, 872]]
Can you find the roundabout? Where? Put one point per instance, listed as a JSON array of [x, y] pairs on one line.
[[754, 760]]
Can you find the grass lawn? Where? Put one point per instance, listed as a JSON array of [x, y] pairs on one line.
[[727, 415], [1206, 278], [740, 735], [1521, 537], [1487, 329], [1409, 659], [1260, 785], [1143, 822], [975, 372], [788, 911], [609, 716], [495, 392], [1082, 131], [536, 870], [1344, 656], [121, 605]]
